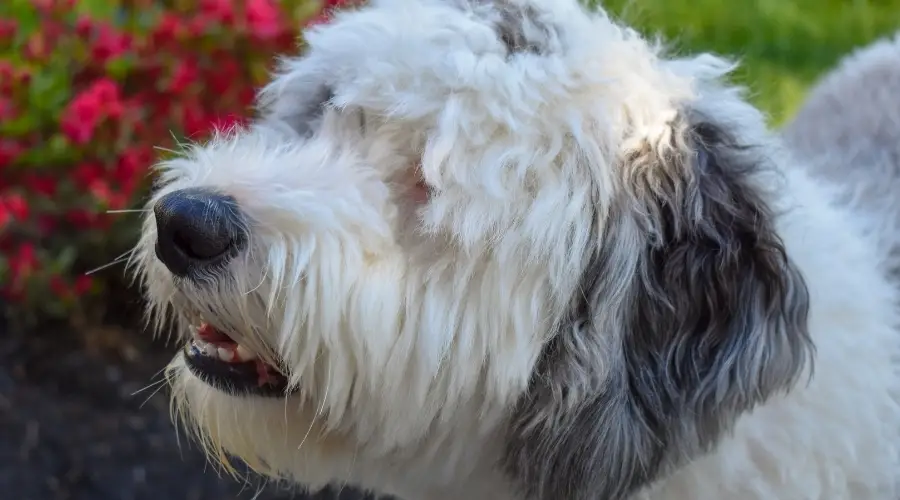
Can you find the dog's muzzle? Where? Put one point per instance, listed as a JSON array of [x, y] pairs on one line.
[[198, 230]]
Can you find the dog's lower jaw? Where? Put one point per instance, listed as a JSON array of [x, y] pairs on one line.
[[285, 439], [275, 437]]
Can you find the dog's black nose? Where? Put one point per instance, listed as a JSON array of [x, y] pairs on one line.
[[196, 228]]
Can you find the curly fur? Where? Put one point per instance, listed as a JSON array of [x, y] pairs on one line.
[[616, 283]]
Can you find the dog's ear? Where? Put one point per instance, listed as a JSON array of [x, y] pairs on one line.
[[691, 313]]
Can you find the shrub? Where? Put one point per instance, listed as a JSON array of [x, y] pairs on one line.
[[90, 93]]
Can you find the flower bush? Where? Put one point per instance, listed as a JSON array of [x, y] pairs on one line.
[[91, 92]]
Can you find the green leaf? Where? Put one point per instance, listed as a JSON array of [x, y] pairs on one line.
[[119, 67], [49, 92]]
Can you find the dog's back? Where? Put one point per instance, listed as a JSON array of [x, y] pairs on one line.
[[848, 132]]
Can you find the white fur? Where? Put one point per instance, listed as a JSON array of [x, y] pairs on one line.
[[411, 330]]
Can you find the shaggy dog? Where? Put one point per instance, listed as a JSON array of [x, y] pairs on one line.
[[510, 249]]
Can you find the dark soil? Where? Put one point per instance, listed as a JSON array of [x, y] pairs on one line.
[[75, 425]]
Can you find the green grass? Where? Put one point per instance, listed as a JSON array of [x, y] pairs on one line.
[[783, 45]]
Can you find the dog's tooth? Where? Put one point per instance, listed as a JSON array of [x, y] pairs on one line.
[[226, 354], [245, 354], [209, 350]]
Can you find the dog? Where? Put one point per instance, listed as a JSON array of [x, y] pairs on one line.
[[848, 133], [513, 249]]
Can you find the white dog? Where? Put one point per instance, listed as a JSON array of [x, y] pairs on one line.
[[507, 249]]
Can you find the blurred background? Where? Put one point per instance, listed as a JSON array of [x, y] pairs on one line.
[[92, 92]]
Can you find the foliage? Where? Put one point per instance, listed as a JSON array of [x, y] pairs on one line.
[[90, 93]]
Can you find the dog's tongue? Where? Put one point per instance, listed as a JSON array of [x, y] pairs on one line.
[[208, 333]]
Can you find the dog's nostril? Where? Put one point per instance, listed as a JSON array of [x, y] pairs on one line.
[[201, 246], [195, 228]]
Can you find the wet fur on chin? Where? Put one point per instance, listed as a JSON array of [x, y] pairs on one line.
[[621, 285]]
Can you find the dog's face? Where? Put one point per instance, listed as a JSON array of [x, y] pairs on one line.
[[469, 221]]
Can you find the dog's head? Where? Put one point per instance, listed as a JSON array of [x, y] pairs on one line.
[[468, 221]]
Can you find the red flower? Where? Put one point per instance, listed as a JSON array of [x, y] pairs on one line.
[[8, 28], [16, 206], [46, 224], [82, 285], [89, 107], [58, 286], [81, 218], [223, 77], [7, 109], [109, 44], [105, 90], [218, 10], [23, 262], [185, 74], [225, 122], [194, 121], [169, 29], [81, 117], [325, 12], [84, 26], [43, 185], [6, 69], [197, 26], [23, 76], [103, 192], [43, 6], [5, 216], [246, 96], [264, 19], [86, 174], [131, 164], [9, 151]]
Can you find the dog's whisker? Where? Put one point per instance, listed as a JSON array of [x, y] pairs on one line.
[[106, 266], [155, 383], [159, 386]]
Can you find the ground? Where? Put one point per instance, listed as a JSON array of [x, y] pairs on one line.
[[76, 425], [71, 426]]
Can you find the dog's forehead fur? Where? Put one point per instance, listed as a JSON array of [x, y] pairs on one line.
[[527, 67]]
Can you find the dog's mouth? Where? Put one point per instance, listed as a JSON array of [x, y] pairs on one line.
[[221, 362]]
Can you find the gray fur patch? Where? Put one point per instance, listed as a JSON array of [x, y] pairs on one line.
[[305, 119], [301, 108], [691, 315], [520, 27]]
